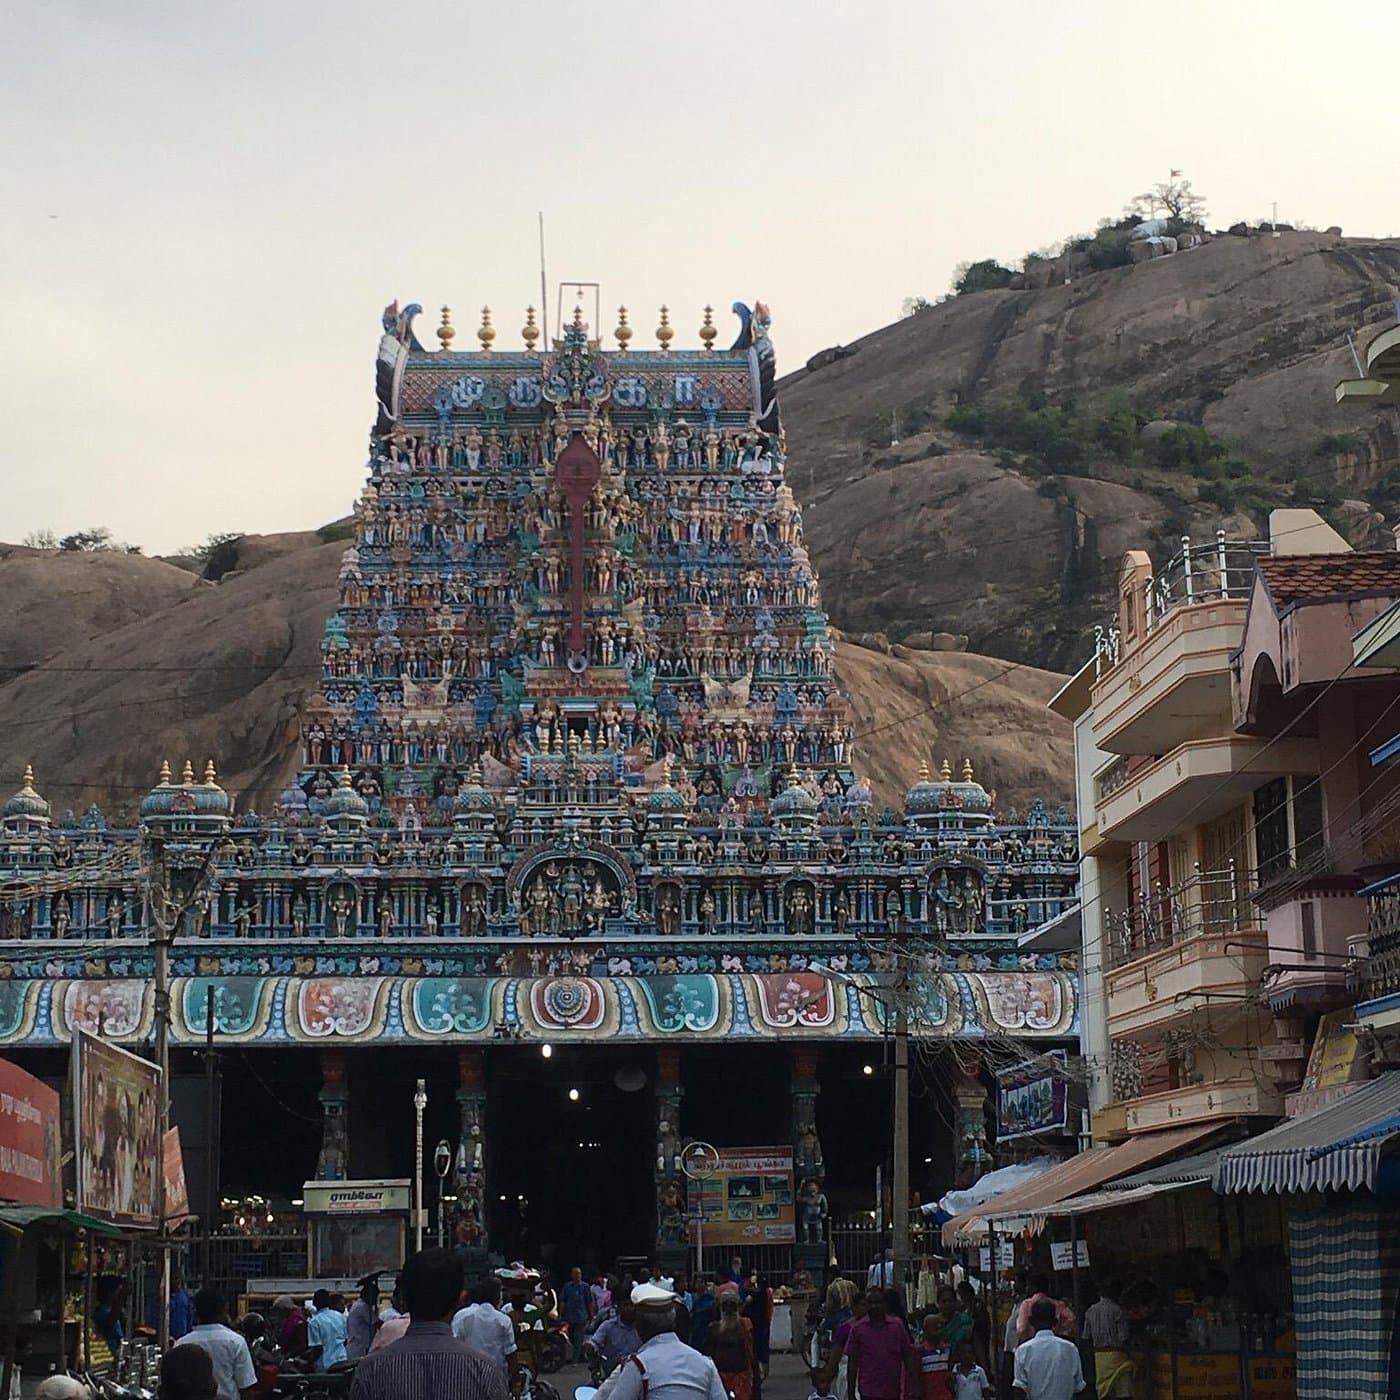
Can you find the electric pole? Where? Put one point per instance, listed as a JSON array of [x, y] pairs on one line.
[[160, 938], [899, 1184]]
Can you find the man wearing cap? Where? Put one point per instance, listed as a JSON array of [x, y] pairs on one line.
[[664, 1367]]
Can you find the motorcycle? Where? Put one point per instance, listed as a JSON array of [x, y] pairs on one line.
[[555, 1349]]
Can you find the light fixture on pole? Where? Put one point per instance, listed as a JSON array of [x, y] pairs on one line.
[[442, 1164], [420, 1102]]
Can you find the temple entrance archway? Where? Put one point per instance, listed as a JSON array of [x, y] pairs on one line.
[[570, 1181]]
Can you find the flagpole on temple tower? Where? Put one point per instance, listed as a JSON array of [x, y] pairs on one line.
[[544, 287]]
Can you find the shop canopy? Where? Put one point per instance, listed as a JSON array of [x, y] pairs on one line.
[[1024, 1207], [1337, 1148], [1180, 1174], [20, 1218]]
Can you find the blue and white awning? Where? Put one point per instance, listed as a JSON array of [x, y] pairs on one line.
[[1338, 1148]]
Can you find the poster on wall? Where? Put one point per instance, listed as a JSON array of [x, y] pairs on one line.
[[116, 1106], [747, 1199], [30, 1136], [177, 1196], [1033, 1097]]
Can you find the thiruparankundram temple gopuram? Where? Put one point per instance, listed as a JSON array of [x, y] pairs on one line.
[[579, 775]]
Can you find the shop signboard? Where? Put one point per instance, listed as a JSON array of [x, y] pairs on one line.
[[356, 1197], [177, 1196], [1272, 1378], [1335, 1058], [747, 1198], [1006, 1256], [1033, 1097], [30, 1137], [1061, 1258], [116, 1105], [1211, 1375]]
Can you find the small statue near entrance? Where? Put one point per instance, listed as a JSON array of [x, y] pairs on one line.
[[670, 1213], [812, 1212]]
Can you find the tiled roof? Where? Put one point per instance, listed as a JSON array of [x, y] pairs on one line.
[[1296, 578]]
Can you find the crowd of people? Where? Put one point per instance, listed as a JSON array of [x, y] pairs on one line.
[[878, 1351], [439, 1338]]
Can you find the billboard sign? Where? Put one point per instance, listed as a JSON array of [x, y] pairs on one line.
[[116, 1106], [1033, 1097], [177, 1196], [30, 1136], [747, 1199]]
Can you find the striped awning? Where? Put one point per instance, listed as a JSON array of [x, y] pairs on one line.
[[1338, 1148], [1023, 1207]]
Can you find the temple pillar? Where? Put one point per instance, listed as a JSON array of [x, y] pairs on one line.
[[469, 1177], [970, 1103], [812, 1251], [333, 1162], [672, 1236]]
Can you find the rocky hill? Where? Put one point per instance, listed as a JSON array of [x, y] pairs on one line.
[[172, 666], [1243, 337], [116, 661]]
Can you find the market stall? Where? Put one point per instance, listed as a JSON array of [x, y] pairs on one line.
[[1204, 1280]]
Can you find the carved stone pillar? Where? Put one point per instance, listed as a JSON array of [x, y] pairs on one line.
[[469, 1178], [333, 1163], [970, 1099], [809, 1165], [671, 1232]]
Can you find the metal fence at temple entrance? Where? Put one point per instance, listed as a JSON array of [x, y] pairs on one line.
[[857, 1244], [236, 1261]]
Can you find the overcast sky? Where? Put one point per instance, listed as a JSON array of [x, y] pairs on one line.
[[204, 206]]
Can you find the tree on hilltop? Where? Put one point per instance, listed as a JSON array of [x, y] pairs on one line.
[[1175, 199], [983, 276]]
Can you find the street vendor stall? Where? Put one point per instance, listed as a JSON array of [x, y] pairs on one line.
[[353, 1229], [1205, 1280]]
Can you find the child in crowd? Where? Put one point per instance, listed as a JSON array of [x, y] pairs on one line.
[[934, 1360], [968, 1378]]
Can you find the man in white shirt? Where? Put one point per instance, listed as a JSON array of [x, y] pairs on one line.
[[482, 1324], [881, 1273], [1047, 1367], [664, 1367], [233, 1362]]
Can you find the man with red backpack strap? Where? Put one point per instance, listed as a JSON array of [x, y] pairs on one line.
[[664, 1367]]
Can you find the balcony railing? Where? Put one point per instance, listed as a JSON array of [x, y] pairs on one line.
[[1112, 779], [1380, 973], [1201, 573], [1211, 901]]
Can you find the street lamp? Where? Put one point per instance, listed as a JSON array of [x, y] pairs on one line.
[[420, 1102], [442, 1164]]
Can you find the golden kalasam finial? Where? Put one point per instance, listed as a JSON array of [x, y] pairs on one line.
[[578, 316], [664, 333], [794, 778], [209, 773], [531, 332], [623, 333], [447, 330], [165, 772], [187, 773], [474, 775], [923, 770], [967, 770], [947, 771], [29, 775], [708, 331], [344, 780], [487, 333]]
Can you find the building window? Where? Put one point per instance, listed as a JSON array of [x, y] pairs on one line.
[[1287, 825], [1307, 912]]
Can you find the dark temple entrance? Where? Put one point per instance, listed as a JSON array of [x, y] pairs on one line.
[[570, 1181]]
